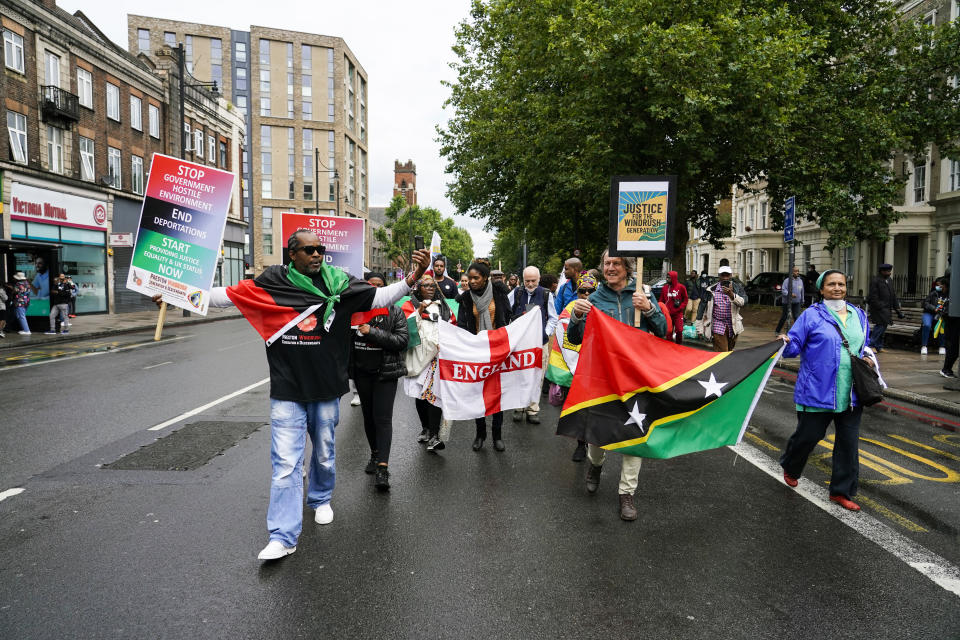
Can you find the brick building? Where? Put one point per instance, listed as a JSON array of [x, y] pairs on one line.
[[405, 181], [305, 100]]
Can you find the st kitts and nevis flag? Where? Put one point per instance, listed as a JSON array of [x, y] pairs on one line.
[[496, 370], [639, 395], [563, 353], [410, 311]]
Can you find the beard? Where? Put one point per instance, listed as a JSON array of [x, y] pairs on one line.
[[312, 269]]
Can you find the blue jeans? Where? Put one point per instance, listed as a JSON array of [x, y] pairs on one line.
[[926, 327], [22, 317], [290, 422], [876, 335]]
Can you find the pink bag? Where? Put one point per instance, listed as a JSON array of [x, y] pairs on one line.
[[557, 394]]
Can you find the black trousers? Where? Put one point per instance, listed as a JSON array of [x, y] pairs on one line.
[[429, 417], [496, 427], [811, 427], [376, 402], [952, 335], [793, 308]]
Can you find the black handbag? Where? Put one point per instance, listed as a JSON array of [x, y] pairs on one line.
[[866, 381]]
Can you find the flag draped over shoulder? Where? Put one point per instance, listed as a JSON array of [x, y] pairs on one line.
[[496, 370], [409, 312], [639, 395], [563, 353]]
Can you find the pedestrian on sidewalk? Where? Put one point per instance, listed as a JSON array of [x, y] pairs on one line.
[[73, 297], [882, 302], [933, 314], [376, 363], [303, 312], [791, 297], [674, 297], [523, 299], [3, 309], [951, 335], [824, 390], [693, 297], [59, 305], [619, 297], [21, 300], [722, 322], [485, 306]]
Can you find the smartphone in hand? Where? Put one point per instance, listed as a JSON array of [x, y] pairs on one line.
[[418, 242]]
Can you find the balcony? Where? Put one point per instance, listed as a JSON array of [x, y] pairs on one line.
[[58, 104]]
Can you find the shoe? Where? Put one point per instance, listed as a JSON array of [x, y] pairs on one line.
[[275, 550], [517, 416], [533, 418], [324, 514], [382, 480], [628, 511], [790, 480], [580, 453], [49, 333], [947, 374], [942, 351], [2, 334], [499, 446], [845, 502], [923, 351], [356, 401], [24, 333], [593, 478], [435, 444], [424, 436], [879, 349], [63, 333], [478, 444], [371, 464]]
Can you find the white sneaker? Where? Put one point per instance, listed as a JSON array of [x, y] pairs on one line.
[[324, 514], [943, 351], [24, 333], [923, 351], [275, 550], [356, 401]]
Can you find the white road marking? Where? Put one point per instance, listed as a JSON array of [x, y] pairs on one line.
[[194, 412], [938, 569], [154, 366], [87, 355], [239, 344], [9, 493]]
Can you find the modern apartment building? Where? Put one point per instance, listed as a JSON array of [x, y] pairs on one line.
[[305, 101]]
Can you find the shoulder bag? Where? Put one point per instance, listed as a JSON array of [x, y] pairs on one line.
[[866, 382]]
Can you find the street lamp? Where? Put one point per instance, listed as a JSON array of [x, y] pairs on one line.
[[336, 177]]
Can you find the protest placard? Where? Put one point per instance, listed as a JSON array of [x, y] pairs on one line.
[[642, 215], [342, 237]]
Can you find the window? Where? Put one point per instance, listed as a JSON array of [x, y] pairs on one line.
[[242, 105], [55, 149], [17, 129], [240, 51], [241, 79], [13, 51], [751, 215], [289, 55], [153, 115], [306, 57], [264, 53], [216, 61], [211, 149], [188, 52], [52, 69], [113, 102], [136, 174], [742, 219], [266, 171], [85, 88], [170, 39], [763, 214], [954, 166], [198, 143], [290, 108], [267, 220], [86, 160], [136, 113], [307, 109], [265, 80], [113, 166], [223, 154], [187, 137], [920, 182], [143, 41], [264, 106]]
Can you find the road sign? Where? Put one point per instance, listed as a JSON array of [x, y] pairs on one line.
[[789, 216]]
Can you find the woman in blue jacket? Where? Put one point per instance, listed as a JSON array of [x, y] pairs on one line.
[[824, 391]]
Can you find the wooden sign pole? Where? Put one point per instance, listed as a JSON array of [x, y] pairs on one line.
[[637, 316], [160, 320]]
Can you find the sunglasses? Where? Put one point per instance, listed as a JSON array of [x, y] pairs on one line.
[[310, 249], [428, 285], [586, 290]]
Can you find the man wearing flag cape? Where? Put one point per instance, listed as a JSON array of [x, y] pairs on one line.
[[302, 311]]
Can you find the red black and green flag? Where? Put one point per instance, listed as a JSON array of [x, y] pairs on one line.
[[410, 312], [639, 395]]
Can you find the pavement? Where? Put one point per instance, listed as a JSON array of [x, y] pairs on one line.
[[910, 377]]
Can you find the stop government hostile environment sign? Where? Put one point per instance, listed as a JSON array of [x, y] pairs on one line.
[[342, 237], [181, 227]]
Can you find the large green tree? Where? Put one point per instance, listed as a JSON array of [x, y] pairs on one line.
[[404, 222], [553, 97]]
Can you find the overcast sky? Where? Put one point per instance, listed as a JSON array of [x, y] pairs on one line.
[[404, 48]]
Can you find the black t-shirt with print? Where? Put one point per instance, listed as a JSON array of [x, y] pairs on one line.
[[448, 287], [308, 363]]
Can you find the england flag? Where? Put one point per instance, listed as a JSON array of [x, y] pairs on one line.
[[492, 371]]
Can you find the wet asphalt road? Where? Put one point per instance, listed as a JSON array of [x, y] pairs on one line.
[[466, 544]]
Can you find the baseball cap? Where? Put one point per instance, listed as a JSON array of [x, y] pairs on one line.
[[724, 269]]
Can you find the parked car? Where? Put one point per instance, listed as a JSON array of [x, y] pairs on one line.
[[764, 288]]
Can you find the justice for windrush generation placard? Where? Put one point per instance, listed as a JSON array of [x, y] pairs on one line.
[[181, 227], [642, 215]]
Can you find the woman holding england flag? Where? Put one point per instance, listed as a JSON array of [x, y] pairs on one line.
[[484, 306]]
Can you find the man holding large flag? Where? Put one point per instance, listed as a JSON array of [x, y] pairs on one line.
[[302, 311]]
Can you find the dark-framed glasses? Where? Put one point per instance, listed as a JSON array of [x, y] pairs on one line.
[[586, 291], [311, 249]]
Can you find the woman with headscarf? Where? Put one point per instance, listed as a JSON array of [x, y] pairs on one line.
[[674, 297], [428, 308], [484, 306], [825, 336]]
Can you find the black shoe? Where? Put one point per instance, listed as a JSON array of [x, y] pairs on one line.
[[477, 444], [580, 453], [435, 444], [371, 464], [382, 481], [593, 478], [499, 446], [628, 511], [947, 373], [533, 418], [424, 436]]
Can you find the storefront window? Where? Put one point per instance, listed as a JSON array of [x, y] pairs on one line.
[[86, 265]]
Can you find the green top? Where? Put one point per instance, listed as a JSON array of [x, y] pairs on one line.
[[853, 332], [335, 280]]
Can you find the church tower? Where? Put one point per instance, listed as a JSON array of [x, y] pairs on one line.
[[405, 181]]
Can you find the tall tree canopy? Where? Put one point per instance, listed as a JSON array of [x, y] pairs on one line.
[[553, 97], [403, 223]]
